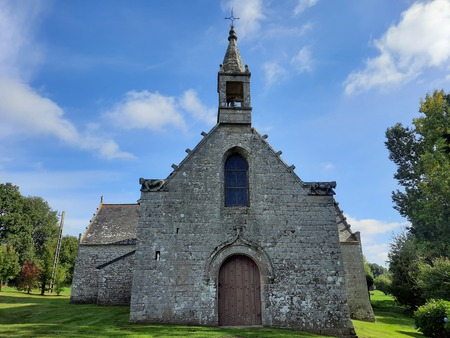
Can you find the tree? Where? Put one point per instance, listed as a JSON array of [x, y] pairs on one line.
[[15, 227], [46, 264], [404, 262], [369, 275], [29, 276], [67, 256], [383, 283], [9, 264], [422, 156], [434, 279], [377, 270], [30, 226], [60, 280], [44, 222]]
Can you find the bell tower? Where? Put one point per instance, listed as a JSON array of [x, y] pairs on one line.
[[234, 86]]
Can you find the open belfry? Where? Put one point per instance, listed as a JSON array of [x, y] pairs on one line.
[[232, 237]]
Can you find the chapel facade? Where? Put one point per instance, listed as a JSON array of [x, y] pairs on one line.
[[231, 237]]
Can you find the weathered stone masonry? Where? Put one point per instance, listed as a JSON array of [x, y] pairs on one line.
[[104, 263], [284, 254]]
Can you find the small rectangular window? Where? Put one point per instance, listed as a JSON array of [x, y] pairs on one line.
[[157, 255]]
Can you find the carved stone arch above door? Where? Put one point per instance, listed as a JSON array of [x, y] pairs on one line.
[[243, 247]]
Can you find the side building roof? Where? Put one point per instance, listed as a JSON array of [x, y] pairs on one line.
[[112, 224]]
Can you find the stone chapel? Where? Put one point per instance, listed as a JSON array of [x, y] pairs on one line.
[[232, 237]]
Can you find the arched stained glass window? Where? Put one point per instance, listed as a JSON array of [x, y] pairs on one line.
[[236, 181]]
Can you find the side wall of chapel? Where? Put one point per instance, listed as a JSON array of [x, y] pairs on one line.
[[114, 285], [88, 280], [357, 292]]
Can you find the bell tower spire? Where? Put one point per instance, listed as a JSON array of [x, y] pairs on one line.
[[234, 84]]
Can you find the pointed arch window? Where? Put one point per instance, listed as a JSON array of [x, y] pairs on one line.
[[236, 181]]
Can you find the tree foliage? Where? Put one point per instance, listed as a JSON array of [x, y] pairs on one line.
[[68, 253], [26, 223], [422, 156], [60, 280], [404, 262], [15, 229], [46, 262], [377, 270], [9, 264], [383, 283], [434, 279], [369, 274], [30, 227], [29, 276]]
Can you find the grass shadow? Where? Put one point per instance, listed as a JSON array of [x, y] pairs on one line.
[[24, 315]]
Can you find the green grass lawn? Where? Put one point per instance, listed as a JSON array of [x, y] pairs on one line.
[[23, 315], [392, 320]]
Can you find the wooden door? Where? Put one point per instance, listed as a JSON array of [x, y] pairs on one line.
[[239, 292]]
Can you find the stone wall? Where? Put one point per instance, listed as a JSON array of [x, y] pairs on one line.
[[115, 278], [291, 235], [85, 286], [357, 292]]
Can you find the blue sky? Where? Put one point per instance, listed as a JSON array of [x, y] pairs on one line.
[[95, 94]]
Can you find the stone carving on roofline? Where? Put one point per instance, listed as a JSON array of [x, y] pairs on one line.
[[150, 184], [321, 188]]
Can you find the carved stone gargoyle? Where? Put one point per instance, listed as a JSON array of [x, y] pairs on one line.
[[150, 185], [321, 188]]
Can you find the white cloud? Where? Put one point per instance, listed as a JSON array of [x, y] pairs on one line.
[[22, 108], [273, 73], [25, 112], [154, 111], [192, 104], [377, 253], [303, 61], [375, 235], [374, 226], [249, 12], [146, 110], [303, 5], [421, 40], [18, 52]]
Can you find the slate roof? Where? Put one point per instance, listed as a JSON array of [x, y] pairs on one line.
[[232, 62], [112, 224]]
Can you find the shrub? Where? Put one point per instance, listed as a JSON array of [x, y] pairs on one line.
[[60, 280], [383, 284], [29, 276], [434, 279], [432, 318], [369, 275]]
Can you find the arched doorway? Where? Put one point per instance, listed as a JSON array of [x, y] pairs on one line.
[[239, 292]]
